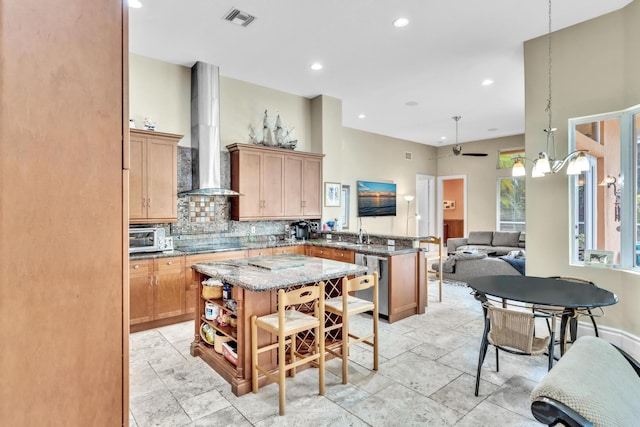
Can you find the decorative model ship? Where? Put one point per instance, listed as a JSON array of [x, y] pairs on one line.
[[273, 135]]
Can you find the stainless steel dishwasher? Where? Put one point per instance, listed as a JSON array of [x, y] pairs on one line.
[[381, 265]]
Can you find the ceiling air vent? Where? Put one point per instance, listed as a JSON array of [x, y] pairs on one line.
[[407, 156], [239, 17]]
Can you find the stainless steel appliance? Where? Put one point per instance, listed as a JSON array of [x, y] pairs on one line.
[[314, 230], [381, 265], [302, 230], [151, 239]]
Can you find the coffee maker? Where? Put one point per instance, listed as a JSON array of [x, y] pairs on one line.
[[301, 229]]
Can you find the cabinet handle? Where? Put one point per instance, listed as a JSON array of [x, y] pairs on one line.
[[144, 205], [137, 266], [156, 280], [149, 202], [150, 281], [169, 262]]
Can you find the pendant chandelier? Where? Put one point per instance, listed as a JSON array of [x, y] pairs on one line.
[[545, 163]]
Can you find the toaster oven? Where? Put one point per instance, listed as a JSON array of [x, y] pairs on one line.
[[151, 239]]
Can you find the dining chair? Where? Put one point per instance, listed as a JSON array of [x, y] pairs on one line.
[[346, 306], [510, 327], [559, 311], [289, 321]]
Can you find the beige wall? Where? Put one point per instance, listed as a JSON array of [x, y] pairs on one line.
[[482, 177], [162, 92], [371, 157], [243, 104], [612, 83]]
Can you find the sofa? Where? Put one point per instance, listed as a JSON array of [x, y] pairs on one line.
[[464, 266], [497, 242]]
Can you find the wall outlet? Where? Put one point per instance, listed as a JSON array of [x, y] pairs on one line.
[[391, 242], [286, 227], [253, 229]]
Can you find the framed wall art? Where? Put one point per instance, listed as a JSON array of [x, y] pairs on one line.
[[332, 193]]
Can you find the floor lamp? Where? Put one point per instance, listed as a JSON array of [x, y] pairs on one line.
[[408, 199]]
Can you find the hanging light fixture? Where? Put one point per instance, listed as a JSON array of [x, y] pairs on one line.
[[546, 164]]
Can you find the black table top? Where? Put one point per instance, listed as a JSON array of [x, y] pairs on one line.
[[544, 290]]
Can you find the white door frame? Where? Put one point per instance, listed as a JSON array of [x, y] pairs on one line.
[[440, 216], [426, 205]]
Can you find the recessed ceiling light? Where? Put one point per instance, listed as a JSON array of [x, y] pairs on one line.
[[487, 82], [401, 22], [443, 138], [361, 116], [135, 4], [411, 104], [316, 66]]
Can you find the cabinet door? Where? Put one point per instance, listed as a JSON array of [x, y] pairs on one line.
[[312, 187], [249, 178], [169, 288], [162, 179], [137, 182], [293, 176], [273, 185], [140, 291]]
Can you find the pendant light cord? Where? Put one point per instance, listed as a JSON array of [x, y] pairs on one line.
[[550, 130]]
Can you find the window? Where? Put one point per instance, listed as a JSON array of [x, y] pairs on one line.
[[605, 202], [511, 204], [507, 157]]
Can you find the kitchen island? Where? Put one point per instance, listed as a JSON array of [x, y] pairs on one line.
[[254, 286]]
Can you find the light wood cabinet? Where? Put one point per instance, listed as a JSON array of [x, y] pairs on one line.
[[337, 254], [275, 183], [303, 192], [259, 176], [156, 292], [153, 177]]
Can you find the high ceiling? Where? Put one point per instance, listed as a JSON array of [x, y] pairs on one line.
[[438, 61]]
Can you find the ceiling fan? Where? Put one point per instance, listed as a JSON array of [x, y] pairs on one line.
[[457, 148]]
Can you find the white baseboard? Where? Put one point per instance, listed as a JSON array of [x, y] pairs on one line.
[[626, 341]]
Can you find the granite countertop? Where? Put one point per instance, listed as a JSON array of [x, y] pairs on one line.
[[380, 250], [260, 274], [383, 250]]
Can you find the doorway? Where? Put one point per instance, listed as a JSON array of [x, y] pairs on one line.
[[452, 203], [426, 224]]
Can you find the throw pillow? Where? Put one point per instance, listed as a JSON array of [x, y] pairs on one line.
[[506, 238], [480, 238]]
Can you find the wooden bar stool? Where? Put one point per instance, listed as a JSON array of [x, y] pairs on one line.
[[348, 305], [286, 324]]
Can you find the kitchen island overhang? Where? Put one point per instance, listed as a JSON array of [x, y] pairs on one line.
[[256, 282]]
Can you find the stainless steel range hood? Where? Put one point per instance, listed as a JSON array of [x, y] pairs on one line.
[[205, 132]]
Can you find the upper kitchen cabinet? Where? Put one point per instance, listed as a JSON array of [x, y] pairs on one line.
[[303, 192], [275, 183], [153, 178]]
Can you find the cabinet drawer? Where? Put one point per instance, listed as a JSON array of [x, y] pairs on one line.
[[170, 263], [143, 267], [260, 252], [343, 255]]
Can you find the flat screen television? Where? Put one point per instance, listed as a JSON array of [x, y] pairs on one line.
[[376, 199]]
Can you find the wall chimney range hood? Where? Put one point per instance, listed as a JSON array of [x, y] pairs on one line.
[[205, 133]]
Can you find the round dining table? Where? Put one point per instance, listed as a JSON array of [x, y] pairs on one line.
[[546, 291]]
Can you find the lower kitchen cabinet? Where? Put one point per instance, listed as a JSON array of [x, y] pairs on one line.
[[157, 292]]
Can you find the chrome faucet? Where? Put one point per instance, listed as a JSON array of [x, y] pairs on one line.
[[361, 234]]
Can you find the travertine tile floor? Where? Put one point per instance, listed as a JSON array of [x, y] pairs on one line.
[[426, 378]]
